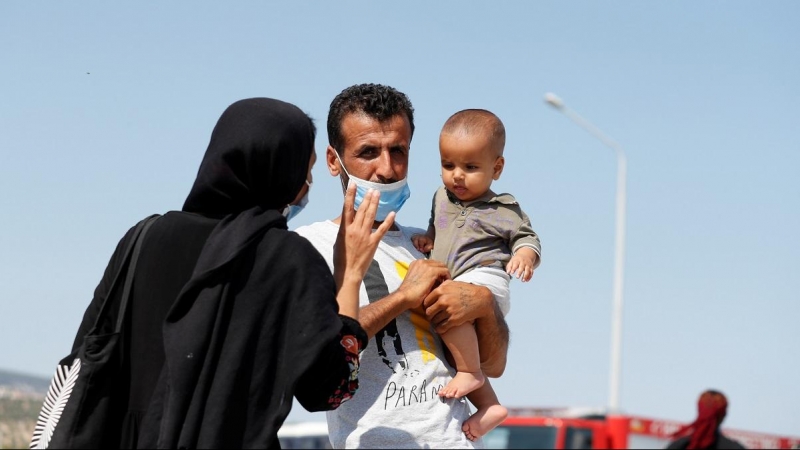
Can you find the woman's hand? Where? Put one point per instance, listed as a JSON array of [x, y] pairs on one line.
[[355, 247]]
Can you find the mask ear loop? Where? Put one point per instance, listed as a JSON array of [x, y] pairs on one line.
[[308, 183], [347, 175]]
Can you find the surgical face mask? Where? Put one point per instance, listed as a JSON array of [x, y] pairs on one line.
[[393, 195], [293, 210]]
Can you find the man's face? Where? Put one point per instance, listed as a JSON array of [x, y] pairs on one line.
[[373, 151]]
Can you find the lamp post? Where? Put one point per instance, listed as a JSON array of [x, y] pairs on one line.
[[619, 251]]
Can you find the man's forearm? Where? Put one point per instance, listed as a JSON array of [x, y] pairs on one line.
[[375, 316], [455, 303], [493, 338]]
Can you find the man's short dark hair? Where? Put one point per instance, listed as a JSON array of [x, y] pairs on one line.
[[375, 100]]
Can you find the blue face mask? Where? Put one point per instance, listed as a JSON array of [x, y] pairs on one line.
[[393, 195], [293, 210]]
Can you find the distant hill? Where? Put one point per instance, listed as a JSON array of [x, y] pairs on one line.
[[32, 384], [21, 398]]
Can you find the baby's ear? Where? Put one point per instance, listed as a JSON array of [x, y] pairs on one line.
[[499, 163]]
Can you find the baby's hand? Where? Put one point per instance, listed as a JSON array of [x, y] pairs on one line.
[[422, 242], [521, 264]]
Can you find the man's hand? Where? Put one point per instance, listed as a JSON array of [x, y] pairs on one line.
[[455, 303], [422, 277]]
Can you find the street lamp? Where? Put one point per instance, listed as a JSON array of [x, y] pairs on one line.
[[619, 252]]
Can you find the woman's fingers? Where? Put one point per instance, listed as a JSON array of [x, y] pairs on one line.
[[362, 217], [369, 208], [348, 208], [385, 226]]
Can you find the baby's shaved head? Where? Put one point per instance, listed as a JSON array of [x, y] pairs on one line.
[[478, 122]]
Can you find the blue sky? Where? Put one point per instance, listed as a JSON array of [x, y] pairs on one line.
[[106, 110]]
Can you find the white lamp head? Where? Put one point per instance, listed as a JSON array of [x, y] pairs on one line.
[[553, 100]]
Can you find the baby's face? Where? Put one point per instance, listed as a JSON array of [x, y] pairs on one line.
[[469, 164]]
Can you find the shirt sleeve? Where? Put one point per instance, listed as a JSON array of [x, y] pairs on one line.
[[524, 236], [336, 371], [433, 210]]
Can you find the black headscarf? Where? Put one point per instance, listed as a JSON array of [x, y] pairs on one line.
[[260, 305], [258, 156]]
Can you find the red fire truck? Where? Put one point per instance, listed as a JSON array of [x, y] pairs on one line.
[[562, 428], [571, 428]]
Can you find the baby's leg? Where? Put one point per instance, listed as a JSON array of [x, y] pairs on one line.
[[489, 415], [463, 345]]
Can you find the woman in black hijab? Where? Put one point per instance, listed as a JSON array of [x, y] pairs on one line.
[[232, 315]]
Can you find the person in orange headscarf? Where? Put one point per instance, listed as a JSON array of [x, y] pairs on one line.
[[704, 431]]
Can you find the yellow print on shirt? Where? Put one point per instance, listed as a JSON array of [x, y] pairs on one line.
[[421, 325]]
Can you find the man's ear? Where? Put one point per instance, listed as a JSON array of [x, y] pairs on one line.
[[332, 161], [498, 167]]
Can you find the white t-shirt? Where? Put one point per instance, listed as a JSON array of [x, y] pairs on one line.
[[402, 368]]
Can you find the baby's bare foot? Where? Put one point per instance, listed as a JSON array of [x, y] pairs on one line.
[[462, 384], [484, 421]]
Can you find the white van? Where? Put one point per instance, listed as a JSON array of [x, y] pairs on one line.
[[304, 435]]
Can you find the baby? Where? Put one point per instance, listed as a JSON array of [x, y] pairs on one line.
[[483, 238]]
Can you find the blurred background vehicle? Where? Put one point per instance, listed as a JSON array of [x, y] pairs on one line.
[[562, 428]]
